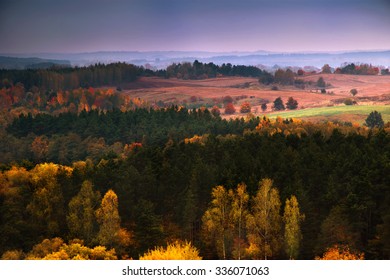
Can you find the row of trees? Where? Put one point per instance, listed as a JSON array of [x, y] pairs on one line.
[[198, 70], [358, 69], [59, 78], [242, 227], [74, 101]]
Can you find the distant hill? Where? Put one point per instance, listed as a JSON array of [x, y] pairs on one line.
[[161, 59], [7, 62]]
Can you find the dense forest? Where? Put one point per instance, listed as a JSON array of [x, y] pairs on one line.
[[130, 181], [90, 173]]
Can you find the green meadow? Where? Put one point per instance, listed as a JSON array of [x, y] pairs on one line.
[[336, 112]]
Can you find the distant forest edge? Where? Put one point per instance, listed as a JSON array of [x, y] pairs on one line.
[[22, 63], [161, 59], [59, 77]]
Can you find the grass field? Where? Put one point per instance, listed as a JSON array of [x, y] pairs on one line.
[[357, 113]]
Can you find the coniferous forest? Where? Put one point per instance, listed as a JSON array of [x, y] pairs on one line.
[[112, 178]]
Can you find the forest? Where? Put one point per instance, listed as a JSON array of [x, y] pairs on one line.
[[90, 173], [132, 194]]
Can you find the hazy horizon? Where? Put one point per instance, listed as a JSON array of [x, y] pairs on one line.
[[286, 26], [204, 51]]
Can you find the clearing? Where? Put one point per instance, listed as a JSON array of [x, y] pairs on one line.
[[373, 94]]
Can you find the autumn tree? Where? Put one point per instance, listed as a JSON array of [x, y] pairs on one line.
[[278, 104], [337, 252], [245, 107], [215, 111], [57, 249], [227, 99], [292, 104], [264, 222], [292, 227], [239, 212], [109, 220], [326, 69], [229, 109], [284, 77], [216, 221], [81, 219], [177, 250], [47, 204]]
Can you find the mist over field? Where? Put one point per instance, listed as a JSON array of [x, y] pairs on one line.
[[162, 59]]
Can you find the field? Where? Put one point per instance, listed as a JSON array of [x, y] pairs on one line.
[[356, 113], [373, 94]]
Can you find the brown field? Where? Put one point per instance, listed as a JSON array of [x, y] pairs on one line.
[[372, 90]]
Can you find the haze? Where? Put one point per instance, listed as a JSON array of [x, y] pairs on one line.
[[203, 25]]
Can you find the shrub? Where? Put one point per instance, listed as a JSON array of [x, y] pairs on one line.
[[174, 251], [348, 101]]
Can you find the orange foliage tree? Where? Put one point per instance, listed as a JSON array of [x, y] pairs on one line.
[[338, 252], [245, 107], [229, 109]]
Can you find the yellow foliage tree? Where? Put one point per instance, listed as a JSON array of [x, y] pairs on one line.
[[264, 222], [174, 251], [292, 230], [109, 220], [56, 249], [216, 220], [239, 213]]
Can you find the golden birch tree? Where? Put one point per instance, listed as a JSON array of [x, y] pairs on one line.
[[264, 222], [81, 216], [292, 227], [216, 222], [109, 220], [239, 212]]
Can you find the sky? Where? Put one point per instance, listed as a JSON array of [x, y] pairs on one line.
[[71, 26]]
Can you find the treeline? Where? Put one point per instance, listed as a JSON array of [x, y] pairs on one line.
[[358, 69], [60, 78], [339, 175], [198, 70], [17, 98], [69, 137]]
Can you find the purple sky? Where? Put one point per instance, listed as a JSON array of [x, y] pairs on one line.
[[33, 26]]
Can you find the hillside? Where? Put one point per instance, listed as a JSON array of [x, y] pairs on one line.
[[7, 62], [372, 91]]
